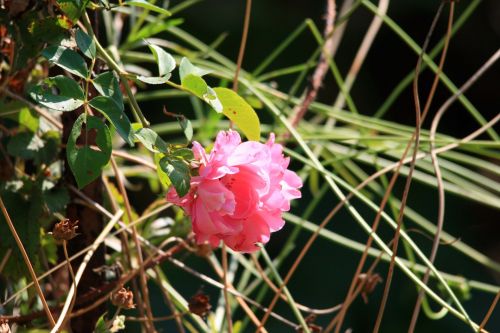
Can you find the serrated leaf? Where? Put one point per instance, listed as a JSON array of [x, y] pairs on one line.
[[166, 63], [240, 112], [154, 79], [70, 95], [107, 85], [151, 140], [187, 68], [85, 44], [87, 162], [178, 173], [66, 59], [145, 4], [108, 107]]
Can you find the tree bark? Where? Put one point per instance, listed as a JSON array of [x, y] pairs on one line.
[[89, 226]]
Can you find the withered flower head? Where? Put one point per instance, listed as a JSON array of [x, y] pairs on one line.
[[123, 298], [4, 327], [200, 304], [203, 250], [311, 325], [65, 230]]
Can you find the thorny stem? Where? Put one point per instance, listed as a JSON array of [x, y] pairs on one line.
[[27, 262]]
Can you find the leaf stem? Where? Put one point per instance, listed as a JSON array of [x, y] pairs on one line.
[[136, 110]]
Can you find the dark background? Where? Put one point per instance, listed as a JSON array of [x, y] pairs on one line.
[[324, 277]]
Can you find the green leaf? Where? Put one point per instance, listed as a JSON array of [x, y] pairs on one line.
[[107, 85], [166, 63], [154, 79], [178, 173], [73, 9], [198, 87], [152, 29], [187, 128], [19, 113], [195, 84], [25, 210], [66, 59], [183, 153], [187, 68], [70, 95], [85, 44], [55, 199], [108, 107], [162, 175], [24, 145], [240, 112], [101, 326], [146, 5], [87, 162], [151, 140]]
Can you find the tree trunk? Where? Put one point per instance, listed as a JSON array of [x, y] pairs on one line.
[[89, 226]]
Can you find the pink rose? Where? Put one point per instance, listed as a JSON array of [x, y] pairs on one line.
[[240, 192]]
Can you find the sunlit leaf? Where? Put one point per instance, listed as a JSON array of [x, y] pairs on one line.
[[240, 112], [147, 5], [162, 175], [154, 79], [151, 140], [107, 85], [66, 59], [116, 116], [87, 162], [187, 68], [69, 97], [178, 173], [166, 63], [198, 87], [85, 44]]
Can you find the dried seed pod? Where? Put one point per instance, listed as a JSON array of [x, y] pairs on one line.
[[65, 230], [200, 304], [369, 282], [123, 298]]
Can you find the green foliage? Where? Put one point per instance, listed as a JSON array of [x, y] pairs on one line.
[[67, 59], [58, 93], [107, 85], [147, 5], [240, 112], [87, 162], [22, 200], [85, 44], [73, 9], [178, 173], [110, 109], [151, 140], [166, 64]]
